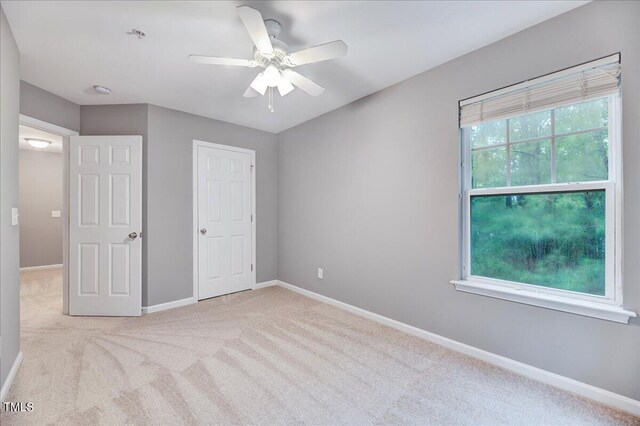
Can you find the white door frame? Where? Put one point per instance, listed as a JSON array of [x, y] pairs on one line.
[[252, 153], [64, 214]]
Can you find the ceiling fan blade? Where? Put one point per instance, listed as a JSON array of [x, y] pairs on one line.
[[284, 86], [253, 22], [303, 83], [258, 84], [323, 52], [212, 60], [250, 93]]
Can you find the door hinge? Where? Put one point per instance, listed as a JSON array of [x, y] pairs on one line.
[[251, 168], [251, 218], [252, 267]]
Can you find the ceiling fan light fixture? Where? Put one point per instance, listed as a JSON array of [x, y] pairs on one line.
[[38, 143], [272, 75], [284, 86], [259, 84]]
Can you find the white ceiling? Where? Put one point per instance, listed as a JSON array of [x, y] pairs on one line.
[[67, 47], [28, 132]]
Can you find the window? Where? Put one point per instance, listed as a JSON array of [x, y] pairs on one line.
[[541, 194]]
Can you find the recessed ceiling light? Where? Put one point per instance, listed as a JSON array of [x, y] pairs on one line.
[[38, 143], [101, 90]]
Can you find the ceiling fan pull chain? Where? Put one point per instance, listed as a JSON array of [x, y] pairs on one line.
[[271, 99]]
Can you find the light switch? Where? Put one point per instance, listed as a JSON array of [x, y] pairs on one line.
[[55, 213], [320, 273], [14, 216]]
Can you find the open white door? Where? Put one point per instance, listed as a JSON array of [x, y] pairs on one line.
[[105, 251], [224, 219]]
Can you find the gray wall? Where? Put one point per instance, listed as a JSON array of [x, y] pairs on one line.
[[369, 193], [167, 181], [170, 182], [40, 192], [38, 103], [9, 235]]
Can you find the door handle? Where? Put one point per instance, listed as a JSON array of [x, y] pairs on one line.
[[203, 231], [133, 235]]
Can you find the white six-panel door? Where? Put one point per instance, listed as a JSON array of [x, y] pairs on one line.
[[105, 250], [224, 221]]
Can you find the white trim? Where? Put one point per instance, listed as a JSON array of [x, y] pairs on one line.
[[265, 284], [581, 307], [615, 170], [11, 376], [588, 391], [224, 147], [194, 200], [191, 300], [168, 305], [37, 268], [48, 127], [535, 290], [64, 216], [194, 196]]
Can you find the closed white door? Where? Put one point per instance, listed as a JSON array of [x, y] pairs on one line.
[[224, 207], [105, 223]]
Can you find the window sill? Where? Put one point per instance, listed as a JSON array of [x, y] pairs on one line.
[[579, 307]]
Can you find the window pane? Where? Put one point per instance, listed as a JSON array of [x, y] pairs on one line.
[[486, 134], [489, 167], [531, 163], [553, 240], [530, 126], [583, 157], [582, 116]]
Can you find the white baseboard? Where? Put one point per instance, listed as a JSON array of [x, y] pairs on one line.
[[37, 268], [588, 391], [168, 305], [265, 284], [190, 300], [12, 375]]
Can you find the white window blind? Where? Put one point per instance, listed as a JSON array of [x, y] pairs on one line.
[[587, 81]]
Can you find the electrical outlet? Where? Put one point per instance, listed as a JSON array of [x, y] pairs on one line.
[[55, 213], [320, 273]]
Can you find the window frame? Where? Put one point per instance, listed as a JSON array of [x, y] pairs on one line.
[[613, 212]]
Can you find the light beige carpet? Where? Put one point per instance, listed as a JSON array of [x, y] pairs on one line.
[[268, 356]]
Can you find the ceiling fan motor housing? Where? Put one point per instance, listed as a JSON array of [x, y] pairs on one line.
[[280, 52]]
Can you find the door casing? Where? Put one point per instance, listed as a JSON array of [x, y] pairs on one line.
[[64, 214], [194, 230]]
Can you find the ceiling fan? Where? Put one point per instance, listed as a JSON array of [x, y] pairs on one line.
[[273, 55]]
